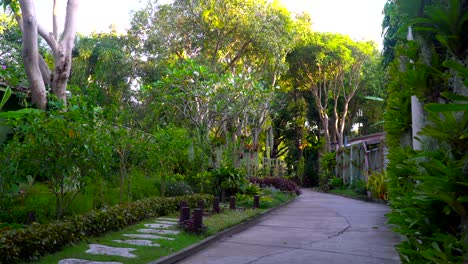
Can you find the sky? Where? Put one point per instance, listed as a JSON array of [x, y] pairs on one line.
[[360, 19]]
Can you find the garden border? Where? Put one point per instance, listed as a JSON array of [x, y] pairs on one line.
[[371, 200], [190, 250]]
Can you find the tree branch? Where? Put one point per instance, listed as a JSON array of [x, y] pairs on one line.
[[45, 71], [48, 37], [238, 55], [70, 27], [54, 21]]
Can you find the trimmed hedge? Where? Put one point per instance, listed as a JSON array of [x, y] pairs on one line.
[[282, 184], [39, 239]]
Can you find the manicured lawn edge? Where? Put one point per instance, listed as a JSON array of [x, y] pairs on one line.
[[36, 240], [190, 250]]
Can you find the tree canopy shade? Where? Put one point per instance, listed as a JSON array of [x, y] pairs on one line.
[[331, 67], [37, 70]]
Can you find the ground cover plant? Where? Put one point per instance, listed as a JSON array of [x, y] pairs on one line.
[[282, 184]]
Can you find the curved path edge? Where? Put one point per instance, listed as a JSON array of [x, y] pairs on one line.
[[190, 250]]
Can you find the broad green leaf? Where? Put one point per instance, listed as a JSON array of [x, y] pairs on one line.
[[455, 97], [446, 107], [5, 98], [463, 183], [463, 199], [18, 113], [461, 69], [374, 98]]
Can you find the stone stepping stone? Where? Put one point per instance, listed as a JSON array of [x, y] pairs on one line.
[[138, 242], [98, 249], [159, 226], [83, 261], [167, 219], [158, 231], [147, 236], [166, 222]]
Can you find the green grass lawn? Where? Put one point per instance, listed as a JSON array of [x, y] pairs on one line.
[[145, 254]]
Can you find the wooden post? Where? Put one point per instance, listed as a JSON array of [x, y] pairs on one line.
[[232, 203], [201, 204], [184, 214], [197, 218], [256, 201], [216, 208]]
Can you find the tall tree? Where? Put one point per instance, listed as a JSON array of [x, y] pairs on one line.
[[330, 65], [242, 42], [61, 45], [102, 72]]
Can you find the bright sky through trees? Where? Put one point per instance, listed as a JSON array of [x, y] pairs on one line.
[[360, 19]]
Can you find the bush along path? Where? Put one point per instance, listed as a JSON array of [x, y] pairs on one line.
[[144, 237], [162, 236]]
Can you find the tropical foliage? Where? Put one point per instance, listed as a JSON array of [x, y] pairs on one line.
[[199, 96], [426, 48]]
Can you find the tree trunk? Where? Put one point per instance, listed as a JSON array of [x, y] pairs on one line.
[[62, 56], [31, 54], [340, 124], [326, 132], [36, 69]]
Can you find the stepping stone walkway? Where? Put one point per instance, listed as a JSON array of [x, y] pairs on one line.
[[148, 236], [168, 222], [98, 249], [168, 219], [162, 226], [138, 242], [83, 261], [159, 225], [158, 231]]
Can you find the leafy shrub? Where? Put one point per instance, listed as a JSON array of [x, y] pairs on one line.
[[201, 182], [228, 179], [377, 184], [359, 187], [39, 239], [143, 185], [325, 187], [244, 200], [335, 183], [66, 149], [428, 185], [327, 165], [14, 208], [251, 190], [282, 184], [177, 188]]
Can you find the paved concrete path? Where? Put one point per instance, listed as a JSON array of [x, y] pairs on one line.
[[315, 228]]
